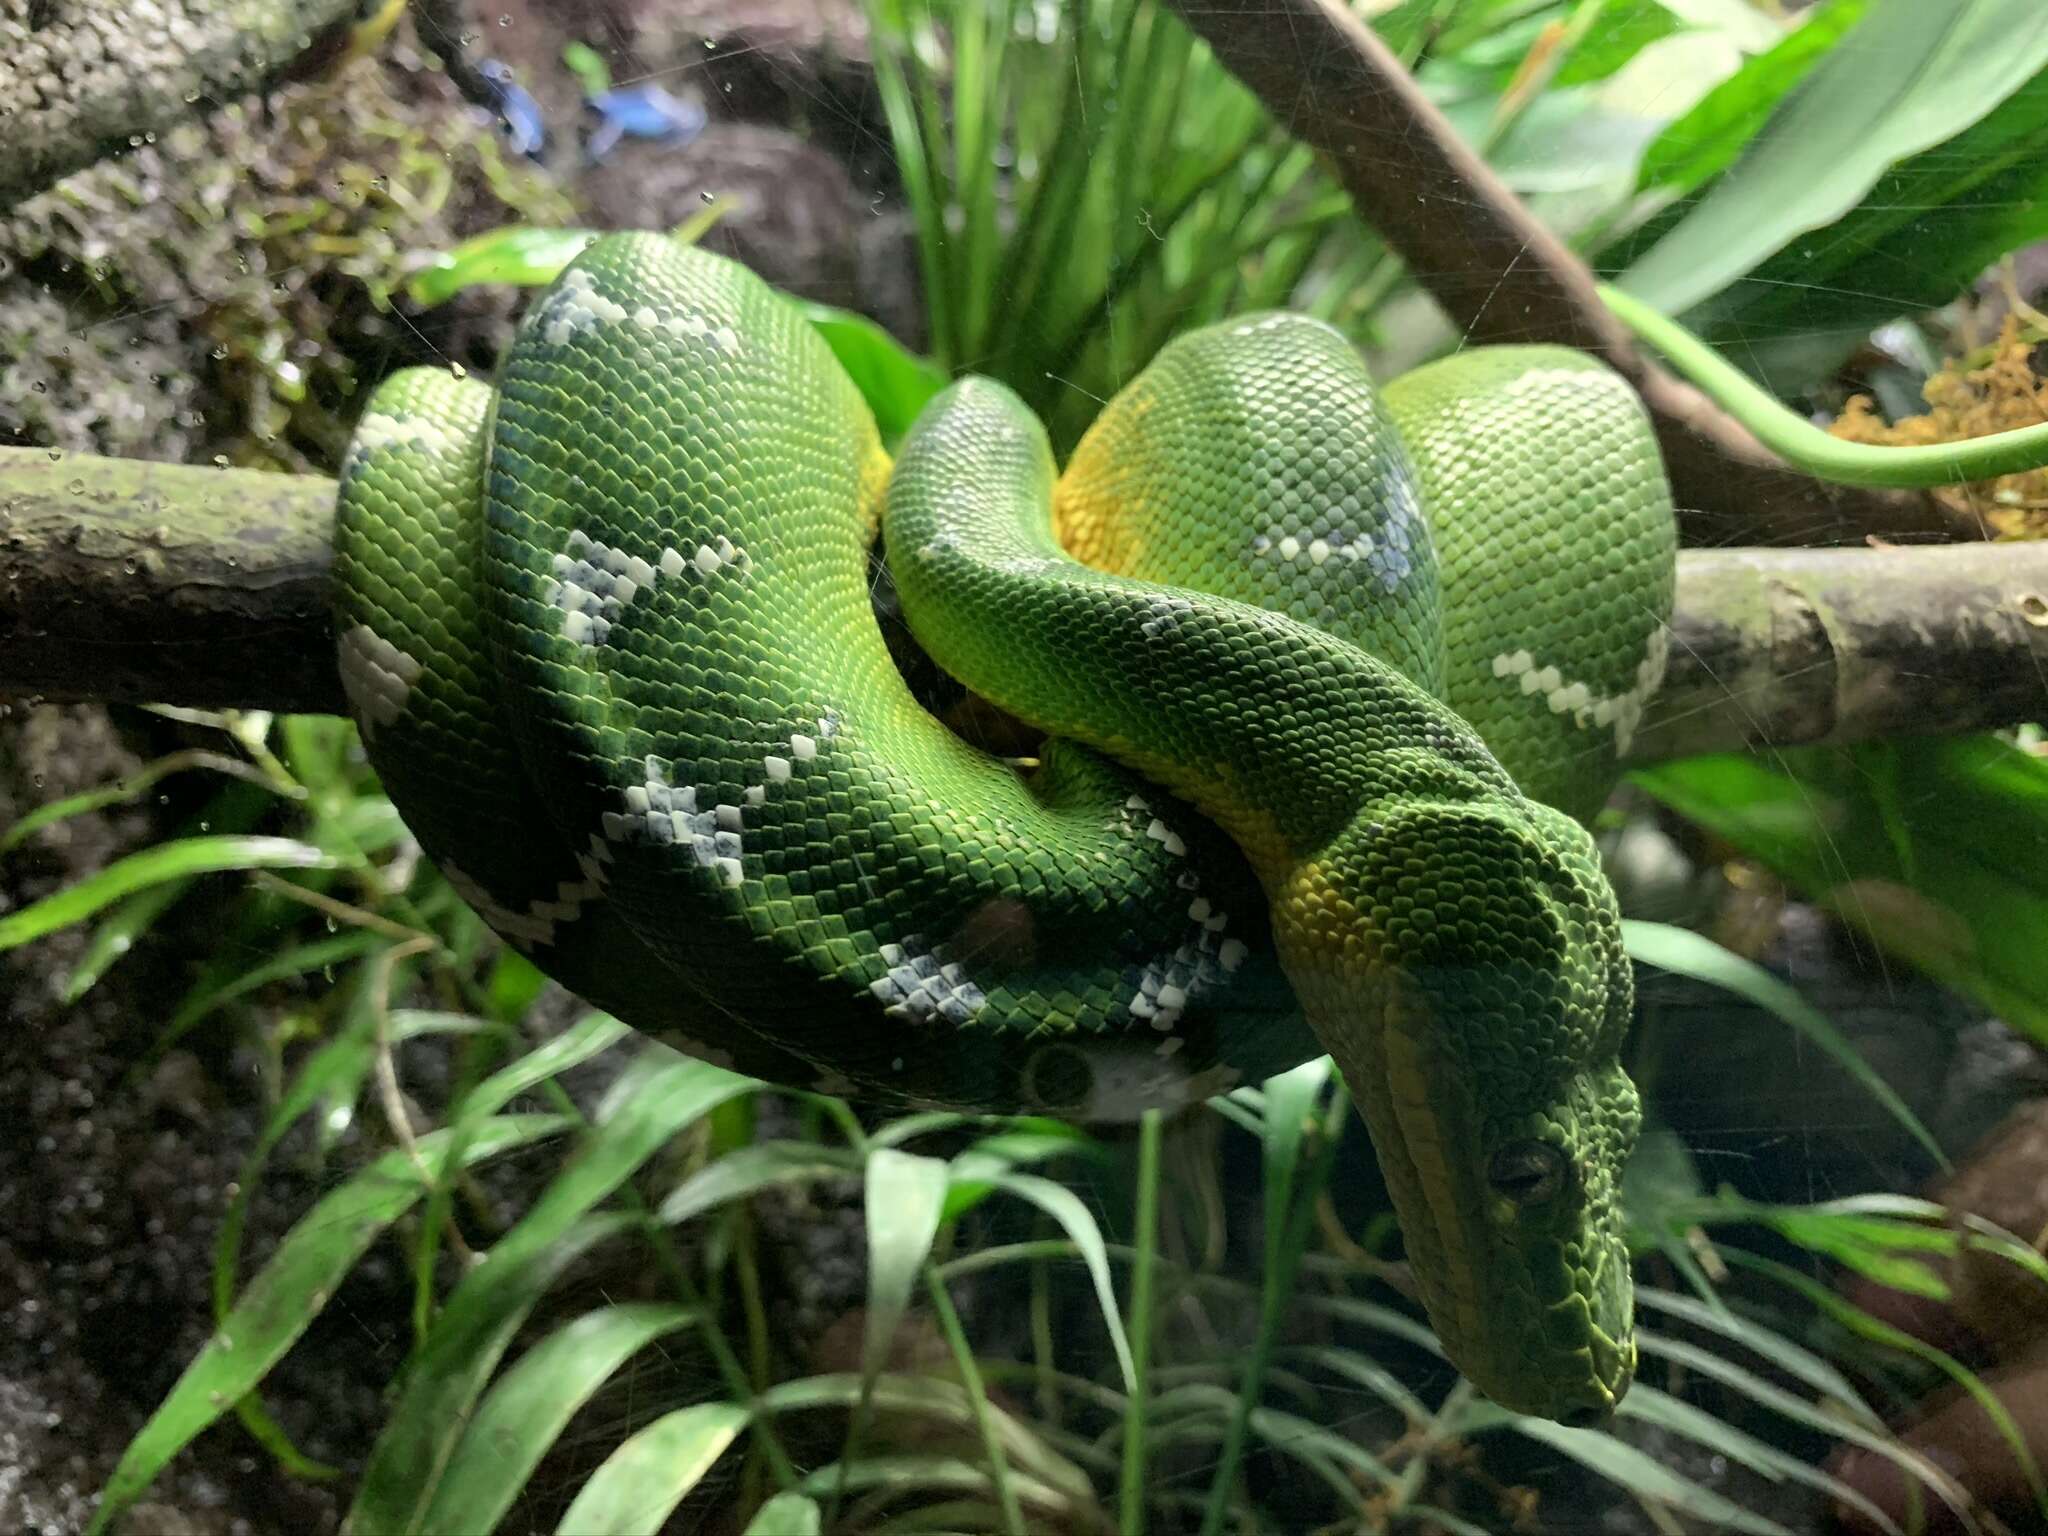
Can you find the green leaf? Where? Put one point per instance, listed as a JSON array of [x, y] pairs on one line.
[[591, 1035], [787, 1514], [1940, 218], [748, 1170], [1910, 76], [522, 254], [1628, 1468], [1065, 1207], [895, 382], [1647, 1405], [1935, 848], [288, 1293], [633, 1492], [905, 1196], [532, 1403], [1705, 141], [928, 1397], [1717, 1367], [124, 790], [1685, 953], [654, 1100], [179, 860]]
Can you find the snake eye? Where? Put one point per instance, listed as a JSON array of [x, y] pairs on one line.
[[1527, 1172]]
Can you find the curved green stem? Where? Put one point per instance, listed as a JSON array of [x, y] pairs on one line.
[[1807, 446]]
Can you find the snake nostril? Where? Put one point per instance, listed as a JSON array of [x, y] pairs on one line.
[[1588, 1417]]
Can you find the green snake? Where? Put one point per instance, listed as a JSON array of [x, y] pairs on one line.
[[1327, 678]]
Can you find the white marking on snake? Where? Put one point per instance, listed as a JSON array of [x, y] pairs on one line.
[[922, 982], [379, 429], [666, 815], [1622, 711], [575, 306], [592, 584], [535, 923], [377, 677]]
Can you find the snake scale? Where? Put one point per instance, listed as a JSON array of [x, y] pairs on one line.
[[1328, 676]]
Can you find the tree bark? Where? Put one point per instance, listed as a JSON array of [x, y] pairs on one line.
[[165, 583], [81, 79], [158, 583], [1499, 274], [1787, 647]]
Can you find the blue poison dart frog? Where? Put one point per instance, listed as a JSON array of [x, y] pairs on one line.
[[640, 112], [526, 130]]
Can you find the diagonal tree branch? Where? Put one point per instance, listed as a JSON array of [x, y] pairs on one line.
[[1499, 274], [121, 580], [81, 79]]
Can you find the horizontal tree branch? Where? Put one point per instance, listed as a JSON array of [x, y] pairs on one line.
[[81, 79], [159, 583], [1787, 647], [1499, 273]]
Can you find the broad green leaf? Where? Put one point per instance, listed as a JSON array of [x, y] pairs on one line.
[[289, 1292], [179, 860], [1936, 848], [1940, 218], [895, 382], [1686, 953], [531, 1404], [787, 1514], [1910, 76], [640, 1483], [1705, 141]]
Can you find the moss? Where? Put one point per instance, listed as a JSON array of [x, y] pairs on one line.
[[236, 274], [1994, 392]]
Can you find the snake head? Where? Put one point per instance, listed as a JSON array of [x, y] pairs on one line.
[[1474, 992]]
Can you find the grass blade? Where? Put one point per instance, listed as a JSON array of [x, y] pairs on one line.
[[532, 1403], [288, 1293], [1685, 953], [656, 1098], [642, 1481], [179, 860], [787, 1514]]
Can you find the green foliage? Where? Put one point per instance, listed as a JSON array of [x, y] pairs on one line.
[[1086, 182], [1910, 77], [1934, 848]]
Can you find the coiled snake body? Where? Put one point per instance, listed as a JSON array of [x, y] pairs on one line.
[[1326, 674]]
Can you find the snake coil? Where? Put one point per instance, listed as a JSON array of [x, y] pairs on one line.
[[1325, 674]]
